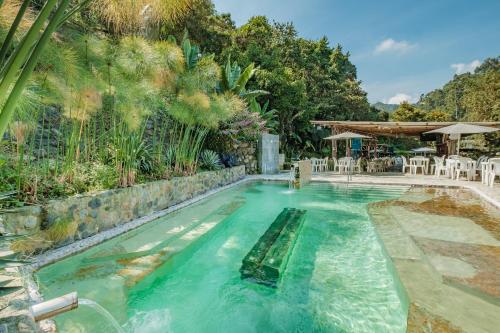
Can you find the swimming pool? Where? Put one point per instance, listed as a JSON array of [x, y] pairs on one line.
[[180, 273]]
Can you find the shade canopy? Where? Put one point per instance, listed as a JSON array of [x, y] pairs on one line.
[[347, 136], [463, 129], [390, 128]]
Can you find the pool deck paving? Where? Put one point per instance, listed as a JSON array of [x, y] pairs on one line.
[[445, 245]]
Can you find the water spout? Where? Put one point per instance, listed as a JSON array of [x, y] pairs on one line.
[[103, 312], [54, 306], [69, 302]]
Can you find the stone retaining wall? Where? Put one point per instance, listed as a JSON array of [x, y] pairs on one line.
[[246, 153], [87, 215]]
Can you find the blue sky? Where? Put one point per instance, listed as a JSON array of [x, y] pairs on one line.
[[401, 48]]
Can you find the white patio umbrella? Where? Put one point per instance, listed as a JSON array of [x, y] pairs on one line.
[[348, 136], [423, 150], [462, 128]]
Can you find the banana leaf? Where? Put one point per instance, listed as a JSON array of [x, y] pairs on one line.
[[253, 94]]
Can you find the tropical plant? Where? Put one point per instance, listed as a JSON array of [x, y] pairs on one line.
[[187, 141], [270, 116], [128, 150], [191, 53], [210, 160], [17, 68], [235, 80]]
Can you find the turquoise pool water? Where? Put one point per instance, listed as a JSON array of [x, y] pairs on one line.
[[180, 273]]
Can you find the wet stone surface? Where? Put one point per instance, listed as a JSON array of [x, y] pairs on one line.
[[445, 244]]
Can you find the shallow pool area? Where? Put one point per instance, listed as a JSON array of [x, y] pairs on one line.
[[181, 272]]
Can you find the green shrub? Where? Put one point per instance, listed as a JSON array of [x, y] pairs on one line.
[[210, 160]]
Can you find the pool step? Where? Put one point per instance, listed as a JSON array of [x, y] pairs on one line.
[[267, 260], [135, 266]]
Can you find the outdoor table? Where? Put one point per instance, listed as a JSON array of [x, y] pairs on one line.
[[416, 161]]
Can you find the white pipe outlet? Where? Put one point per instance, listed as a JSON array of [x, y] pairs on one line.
[[54, 306]]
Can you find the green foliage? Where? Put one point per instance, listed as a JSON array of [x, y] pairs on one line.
[[191, 53], [210, 160], [408, 112], [468, 96], [187, 142], [306, 79], [269, 116], [17, 69], [235, 81], [129, 153]]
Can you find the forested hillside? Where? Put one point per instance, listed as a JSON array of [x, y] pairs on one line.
[[467, 97], [470, 96]]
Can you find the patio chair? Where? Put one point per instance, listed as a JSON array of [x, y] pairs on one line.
[[418, 163], [380, 165], [334, 164], [324, 164], [479, 162], [494, 170], [467, 166], [450, 165], [371, 166], [483, 166], [356, 167], [315, 164], [405, 164], [438, 166], [345, 164]]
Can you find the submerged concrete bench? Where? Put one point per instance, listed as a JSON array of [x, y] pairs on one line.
[[267, 260]]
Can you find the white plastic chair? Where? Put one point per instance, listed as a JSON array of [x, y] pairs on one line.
[[324, 164], [439, 166], [493, 170], [345, 164], [335, 164], [467, 166], [450, 166], [371, 166], [315, 164], [418, 163], [405, 164], [356, 167]]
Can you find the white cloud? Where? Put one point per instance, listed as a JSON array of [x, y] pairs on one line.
[[464, 68], [400, 98], [390, 45]]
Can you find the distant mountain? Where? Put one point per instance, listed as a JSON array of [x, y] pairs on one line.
[[385, 107]]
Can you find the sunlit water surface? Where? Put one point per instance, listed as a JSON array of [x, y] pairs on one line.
[[164, 277]]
